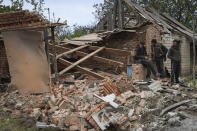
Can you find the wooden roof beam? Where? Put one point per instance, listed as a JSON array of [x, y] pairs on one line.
[[83, 70], [117, 52], [71, 51], [96, 58], [81, 60]]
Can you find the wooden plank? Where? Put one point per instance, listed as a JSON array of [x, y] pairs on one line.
[[67, 63], [176, 22], [117, 52], [81, 60], [139, 9], [54, 53], [157, 17], [113, 51], [71, 51], [120, 23], [96, 58]]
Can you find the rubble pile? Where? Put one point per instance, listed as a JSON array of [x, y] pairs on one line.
[[85, 105]]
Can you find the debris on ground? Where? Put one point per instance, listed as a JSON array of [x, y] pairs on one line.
[[85, 105]]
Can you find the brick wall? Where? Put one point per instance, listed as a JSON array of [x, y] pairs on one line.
[[186, 60], [4, 69], [152, 32], [126, 41]]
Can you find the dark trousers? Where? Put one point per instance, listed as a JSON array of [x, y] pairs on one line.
[[175, 71], [148, 65], [160, 67]]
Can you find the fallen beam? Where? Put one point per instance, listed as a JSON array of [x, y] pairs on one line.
[[81, 60], [71, 51], [67, 63], [96, 58], [117, 52], [176, 105]]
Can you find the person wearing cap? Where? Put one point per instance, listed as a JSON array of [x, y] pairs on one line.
[[159, 53], [174, 55], [142, 57]]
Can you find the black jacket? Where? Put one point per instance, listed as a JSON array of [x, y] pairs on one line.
[[165, 51], [140, 53], [174, 54], [159, 52]]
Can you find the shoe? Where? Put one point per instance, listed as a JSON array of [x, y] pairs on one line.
[[148, 79]]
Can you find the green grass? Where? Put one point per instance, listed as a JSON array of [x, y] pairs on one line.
[[20, 124], [14, 124], [190, 83]]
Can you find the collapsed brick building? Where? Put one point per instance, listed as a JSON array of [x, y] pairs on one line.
[[148, 24], [30, 35], [22, 48]]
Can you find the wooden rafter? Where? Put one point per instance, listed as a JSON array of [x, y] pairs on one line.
[[117, 52], [71, 51], [96, 58], [83, 70], [113, 51], [81, 60]]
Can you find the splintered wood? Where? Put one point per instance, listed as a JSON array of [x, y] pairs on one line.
[[21, 19], [111, 88]]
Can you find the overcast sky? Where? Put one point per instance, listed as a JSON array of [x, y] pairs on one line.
[[74, 11]]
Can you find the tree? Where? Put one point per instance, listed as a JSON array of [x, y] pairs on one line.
[[18, 5], [73, 32], [4, 8], [181, 10], [103, 8]]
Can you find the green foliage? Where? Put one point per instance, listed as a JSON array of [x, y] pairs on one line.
[[190, 82], [18, 5], [14, 125], [103, 8], [4, 8], [181, 10], [70, 33], [20, 124]]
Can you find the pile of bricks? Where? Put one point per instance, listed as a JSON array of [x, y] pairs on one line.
[[74, 107], [95, 109], [111, 88], [21, 19]]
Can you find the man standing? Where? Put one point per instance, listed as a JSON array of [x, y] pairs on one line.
[[159, 53], [141, 57], [174, 55]]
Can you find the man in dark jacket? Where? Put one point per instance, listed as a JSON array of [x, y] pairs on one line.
[[141, 57], [159, 53], [174, 55]]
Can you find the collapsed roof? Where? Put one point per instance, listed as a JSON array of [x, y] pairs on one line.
[[163, 19], [132, 11], [95, 37], [21, 19]]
